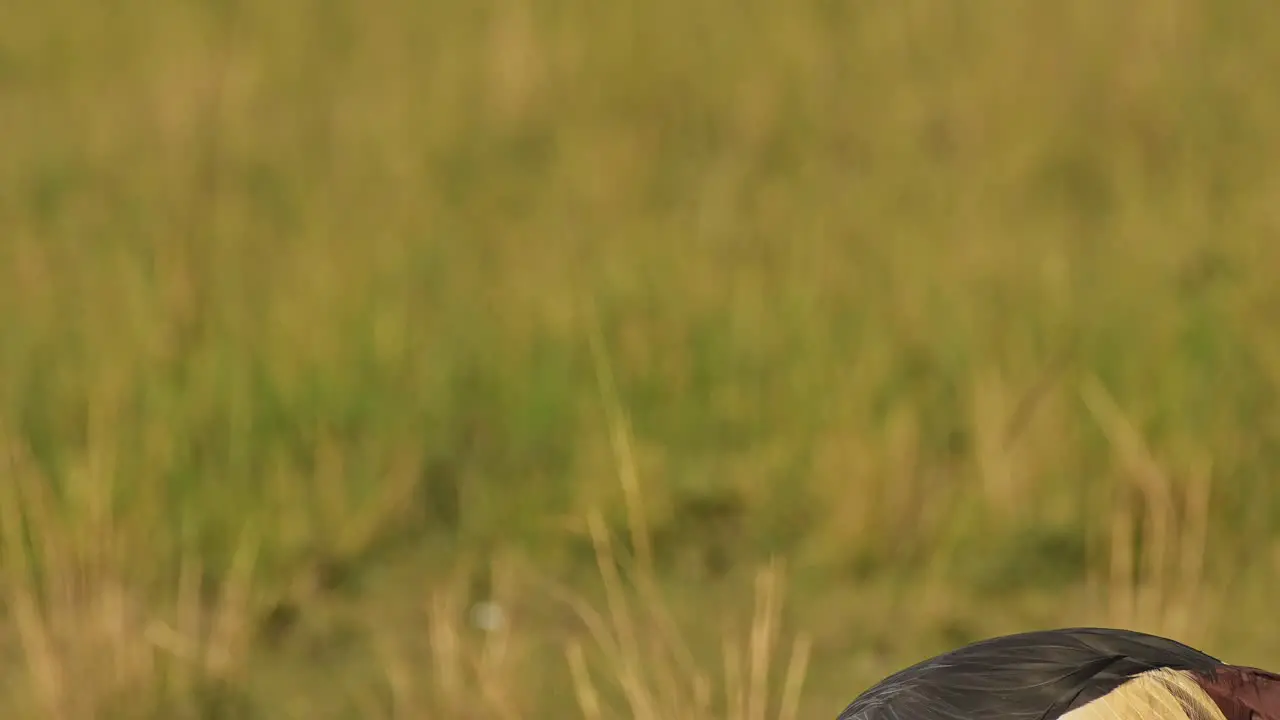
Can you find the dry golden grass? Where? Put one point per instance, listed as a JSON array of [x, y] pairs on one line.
[[325, 322]]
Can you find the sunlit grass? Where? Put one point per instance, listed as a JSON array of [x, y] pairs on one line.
[[315, 312]]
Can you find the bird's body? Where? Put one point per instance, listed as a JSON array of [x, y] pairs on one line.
[[1072, 674]]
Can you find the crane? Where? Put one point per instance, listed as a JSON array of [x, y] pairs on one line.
[[1072, 674]]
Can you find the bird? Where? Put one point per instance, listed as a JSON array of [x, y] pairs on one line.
[[1085, 673]]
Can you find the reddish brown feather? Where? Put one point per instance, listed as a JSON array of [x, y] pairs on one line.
[[1243, 693]]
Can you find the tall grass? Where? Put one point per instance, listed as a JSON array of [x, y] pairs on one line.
[[324, 323]]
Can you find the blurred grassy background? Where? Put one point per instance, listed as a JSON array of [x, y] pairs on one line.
[[966, 311]]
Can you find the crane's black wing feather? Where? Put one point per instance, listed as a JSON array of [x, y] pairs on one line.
[[1029, 676]]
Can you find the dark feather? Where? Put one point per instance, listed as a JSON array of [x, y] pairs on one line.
[[1029, 676]]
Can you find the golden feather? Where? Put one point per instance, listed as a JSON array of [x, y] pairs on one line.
[[1162, 694]]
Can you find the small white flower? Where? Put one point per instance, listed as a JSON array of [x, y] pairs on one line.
[[487, 616]]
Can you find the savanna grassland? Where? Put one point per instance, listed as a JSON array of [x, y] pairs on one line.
[[325, 322]]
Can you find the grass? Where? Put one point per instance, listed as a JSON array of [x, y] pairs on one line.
[[324, 323]]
